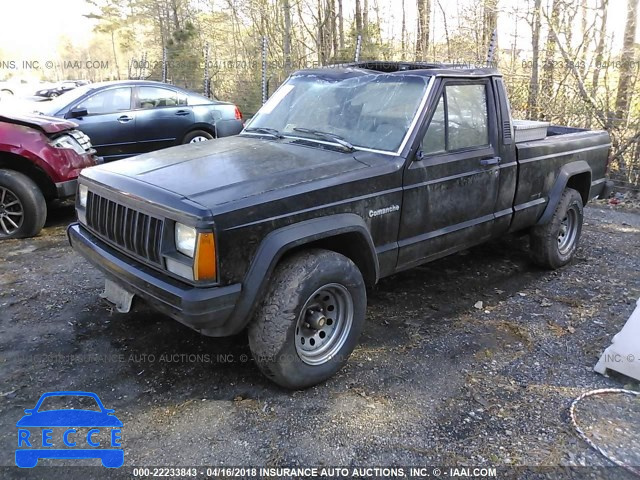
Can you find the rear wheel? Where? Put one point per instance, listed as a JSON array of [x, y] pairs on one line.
[[310, 319], [23, 209], [197, 136], [555, 243]]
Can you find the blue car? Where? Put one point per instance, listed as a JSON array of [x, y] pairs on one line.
[[28, 454], [130, 117]]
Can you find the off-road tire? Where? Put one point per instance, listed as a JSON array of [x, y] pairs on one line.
[[32, 202], [274, 330], [545, 240]]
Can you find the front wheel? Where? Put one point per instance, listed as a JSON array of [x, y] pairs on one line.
[[310, 319], [555, 243], [23, 210]]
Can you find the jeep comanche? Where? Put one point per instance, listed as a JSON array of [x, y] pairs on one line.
[[345, 176]]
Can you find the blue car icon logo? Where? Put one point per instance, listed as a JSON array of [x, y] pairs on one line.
[[85, 432]]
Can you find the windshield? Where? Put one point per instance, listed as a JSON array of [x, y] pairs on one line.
[[58, 103], [369, 110]]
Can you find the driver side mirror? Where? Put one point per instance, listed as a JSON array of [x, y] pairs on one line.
[[78, 112]]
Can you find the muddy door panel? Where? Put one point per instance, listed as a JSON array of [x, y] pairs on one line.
[[451, 186]]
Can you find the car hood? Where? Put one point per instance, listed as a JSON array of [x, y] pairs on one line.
[[69, 418], [40, 122], [229, 169]]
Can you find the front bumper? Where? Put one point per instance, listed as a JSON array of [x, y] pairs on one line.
[[205, 310], [66, 189]]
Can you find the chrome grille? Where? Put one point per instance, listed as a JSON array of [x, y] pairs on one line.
[[129, 229]]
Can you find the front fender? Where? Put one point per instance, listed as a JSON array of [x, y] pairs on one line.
[[276, 244]]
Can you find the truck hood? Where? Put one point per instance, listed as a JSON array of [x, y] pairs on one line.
[[229, 169], [40, 122]]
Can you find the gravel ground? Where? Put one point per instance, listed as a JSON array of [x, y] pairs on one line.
[[438, 379]]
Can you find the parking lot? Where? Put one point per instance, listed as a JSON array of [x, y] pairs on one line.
[[438, 378]]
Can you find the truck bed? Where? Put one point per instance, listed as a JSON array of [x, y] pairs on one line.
[[540, 162]]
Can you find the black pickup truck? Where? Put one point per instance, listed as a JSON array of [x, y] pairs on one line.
[[346, 175]]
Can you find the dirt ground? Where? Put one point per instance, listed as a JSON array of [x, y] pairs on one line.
[[438, 378]]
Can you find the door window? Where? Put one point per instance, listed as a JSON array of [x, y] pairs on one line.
[[157, 97], [108, 101], [460, 121]]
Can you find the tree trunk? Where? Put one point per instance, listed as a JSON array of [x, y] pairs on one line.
[[320, 36], [341, 21], [583, 31], [358, 18], [548, 69], [625, 91], [532, 103], [365, 20], [422, 40], [333, 28], [599, 54], [286, 41], [490, 21], [115, 56], [404, 28]]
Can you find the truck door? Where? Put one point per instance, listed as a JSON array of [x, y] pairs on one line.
[[451, 184]]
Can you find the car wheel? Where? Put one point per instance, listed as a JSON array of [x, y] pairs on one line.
[[23, 209], [555, 243], [310, 319], [53, 95], [197, 136]]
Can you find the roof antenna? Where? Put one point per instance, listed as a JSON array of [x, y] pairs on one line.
[[492, 48]]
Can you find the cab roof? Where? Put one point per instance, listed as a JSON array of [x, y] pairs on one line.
[[426, 69]]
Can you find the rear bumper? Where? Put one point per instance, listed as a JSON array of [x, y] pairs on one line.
[[205, 310]]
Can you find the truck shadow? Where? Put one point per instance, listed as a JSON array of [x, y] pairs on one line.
[[176, 358]]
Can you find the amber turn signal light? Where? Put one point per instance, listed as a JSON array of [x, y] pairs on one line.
[[204, 268]]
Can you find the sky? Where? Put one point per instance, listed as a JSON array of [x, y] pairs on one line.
[[32, 29]]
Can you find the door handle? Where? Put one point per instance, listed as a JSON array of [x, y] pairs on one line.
[[485, 162], [125, 119], [182, 112]]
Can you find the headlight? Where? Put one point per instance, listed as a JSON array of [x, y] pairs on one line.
[[67, 141], [186, 239], [83, 192]]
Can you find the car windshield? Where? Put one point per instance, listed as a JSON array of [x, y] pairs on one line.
[[53, 106], [372, 111], [69, 402]]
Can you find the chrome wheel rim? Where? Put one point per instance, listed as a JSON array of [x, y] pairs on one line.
[[324, 324], [198, 139], [568, 232], [11, 212]]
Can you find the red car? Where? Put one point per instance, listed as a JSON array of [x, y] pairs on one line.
[[40, 159]]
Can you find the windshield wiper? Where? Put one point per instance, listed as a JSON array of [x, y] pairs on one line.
[[269, 131], [332, 137]]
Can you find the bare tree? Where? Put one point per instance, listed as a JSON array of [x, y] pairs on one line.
[[365, 19], [599, 54], [623, 98], [286, 40], [358, 18], [331, 12], [341, 21], [424, 17], [404, 28], [490, 21], [548, 68], [533, 111]]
